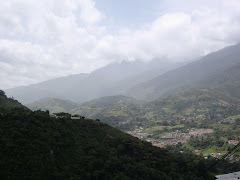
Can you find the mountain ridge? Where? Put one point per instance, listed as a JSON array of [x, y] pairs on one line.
[[113, 79], [207, 66]]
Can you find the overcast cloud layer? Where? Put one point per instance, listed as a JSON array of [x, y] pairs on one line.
[[45, 39]]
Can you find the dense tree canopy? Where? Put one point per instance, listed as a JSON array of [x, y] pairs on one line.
[[34, 145]]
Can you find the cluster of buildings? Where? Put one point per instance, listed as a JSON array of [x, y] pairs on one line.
[[139, 134], [163, 141], [200, 132], [229, 120], [172, 138], [234, 142], [177, 137], [66, 115]]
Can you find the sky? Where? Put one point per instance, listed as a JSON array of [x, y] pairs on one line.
[[41, 40]]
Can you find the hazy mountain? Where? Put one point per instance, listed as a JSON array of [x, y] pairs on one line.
[[206, 67], [59, 105], [53, 105], [113, 79], [52, 88]]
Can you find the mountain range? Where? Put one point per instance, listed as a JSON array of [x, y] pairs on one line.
[[206, 88], [209, 68], [113, 79], [197, 95], [141, 80]]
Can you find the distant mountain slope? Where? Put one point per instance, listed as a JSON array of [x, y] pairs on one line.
[[7, 103], [113, 79], [207, 66], [227, 82], [53, 105], [111, 100], [113, 115], [35, 146], [205, 105]]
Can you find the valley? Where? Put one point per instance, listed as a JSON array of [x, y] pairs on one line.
[[198, 114], [120, 90]]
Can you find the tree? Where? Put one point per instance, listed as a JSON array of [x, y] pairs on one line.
[[2, 93]]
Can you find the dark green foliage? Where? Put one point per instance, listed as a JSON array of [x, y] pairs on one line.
[[211, 163], [7, 103], [219, 138], [2, 93], [35, 146]]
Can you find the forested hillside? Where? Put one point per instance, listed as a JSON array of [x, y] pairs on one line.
[[7, 103], [36, 146], [199, 106]]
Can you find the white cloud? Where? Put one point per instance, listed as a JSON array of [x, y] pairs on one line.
[[45, 39]]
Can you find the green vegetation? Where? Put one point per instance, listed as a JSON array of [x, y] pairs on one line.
[[111, 100], [221, 167], [122, 116], [217, 141], [193, 108], [7, 103], [54, 105], [196, 108], [35, 146]]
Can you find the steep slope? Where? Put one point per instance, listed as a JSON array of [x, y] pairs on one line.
[[7, 103], [227, 82], [35, 146], [56, 88], [53, 105], [207, 66], [113, 79]]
